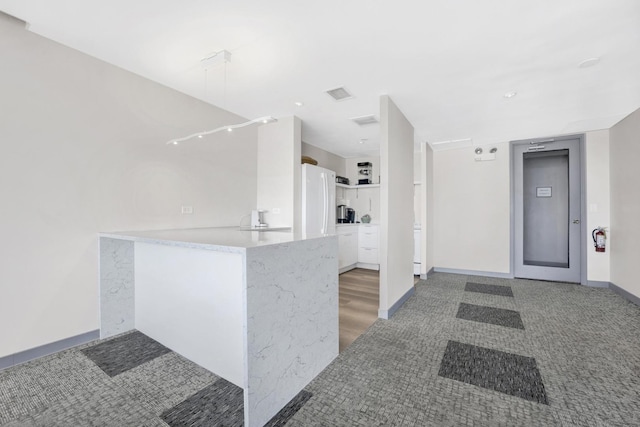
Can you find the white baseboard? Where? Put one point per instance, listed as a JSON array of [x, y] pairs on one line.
[[368, 266]]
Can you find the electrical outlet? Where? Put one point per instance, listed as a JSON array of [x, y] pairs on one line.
[[187, 210], [275, 211]]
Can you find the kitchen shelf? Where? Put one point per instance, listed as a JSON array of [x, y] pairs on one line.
[[355, 187]]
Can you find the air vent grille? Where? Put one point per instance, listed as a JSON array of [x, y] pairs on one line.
[[448, 145], [365, 120], [339, 94]]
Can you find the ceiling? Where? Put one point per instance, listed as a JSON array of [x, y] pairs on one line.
[[446, 64]]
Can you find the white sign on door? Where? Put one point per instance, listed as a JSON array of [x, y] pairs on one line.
[[543, 191]]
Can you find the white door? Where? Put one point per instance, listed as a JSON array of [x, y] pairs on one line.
[[547, 209]]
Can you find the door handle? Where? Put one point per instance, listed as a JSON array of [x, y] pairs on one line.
[[576, 221]]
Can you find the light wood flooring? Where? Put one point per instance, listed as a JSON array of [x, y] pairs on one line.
[[359, 301]]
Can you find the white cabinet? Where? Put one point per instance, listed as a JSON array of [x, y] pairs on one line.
[[347, 247], [368, 246]]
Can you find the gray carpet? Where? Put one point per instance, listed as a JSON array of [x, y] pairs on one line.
[[584, 341]]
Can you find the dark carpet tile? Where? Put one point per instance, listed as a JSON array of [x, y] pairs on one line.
[[281, 418], [489, 289], [492, 369], [125, 352], [220, 404], [495, 316]]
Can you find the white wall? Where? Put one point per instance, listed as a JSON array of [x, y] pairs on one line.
[[471, 210], [598, 195], [396, 205], [84, 151], [625, 203], [427, 243], [279, 172], [325, 159], [417, 187]]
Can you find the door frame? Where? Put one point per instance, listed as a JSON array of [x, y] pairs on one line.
[[583, 199]]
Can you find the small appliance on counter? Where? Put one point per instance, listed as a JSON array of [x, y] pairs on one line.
[[342, 180], [341, 214], [257, 220], [351, 216]]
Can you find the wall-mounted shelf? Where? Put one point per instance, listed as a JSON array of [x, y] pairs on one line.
[[355, 187]]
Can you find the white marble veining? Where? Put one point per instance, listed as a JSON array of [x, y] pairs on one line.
[[292, 321], [117, 309], [283, 292]]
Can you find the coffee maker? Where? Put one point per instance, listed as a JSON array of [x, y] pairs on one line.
[[341, 214], [351, 216]]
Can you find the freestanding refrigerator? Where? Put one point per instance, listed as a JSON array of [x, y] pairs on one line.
[[318, 200]]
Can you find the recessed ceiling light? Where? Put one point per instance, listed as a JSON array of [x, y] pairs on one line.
[[363, 140], [588, 62], [200, 136], [299, 104], [510, 94]]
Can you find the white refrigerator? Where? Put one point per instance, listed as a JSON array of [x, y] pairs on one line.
[[318, 200]]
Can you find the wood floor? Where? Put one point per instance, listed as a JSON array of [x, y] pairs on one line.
[[359, 301]]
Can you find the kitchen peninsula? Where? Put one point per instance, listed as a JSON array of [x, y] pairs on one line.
[[259, 309]]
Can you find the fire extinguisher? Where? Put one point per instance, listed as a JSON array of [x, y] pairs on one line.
[[599, 239]]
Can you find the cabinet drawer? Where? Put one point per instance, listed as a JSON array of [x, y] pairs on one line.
[[368, 236], [368, 255], [368, 240], [368, 229]]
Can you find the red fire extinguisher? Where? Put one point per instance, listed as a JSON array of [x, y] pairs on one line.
[[599, 239]]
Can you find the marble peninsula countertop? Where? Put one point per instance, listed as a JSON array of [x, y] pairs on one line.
[[227, 239]]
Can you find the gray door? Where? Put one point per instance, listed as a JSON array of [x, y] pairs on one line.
[[547, 209]]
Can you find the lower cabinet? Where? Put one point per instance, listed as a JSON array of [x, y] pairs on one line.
[[368, 245], [358, 247], [347, 247]]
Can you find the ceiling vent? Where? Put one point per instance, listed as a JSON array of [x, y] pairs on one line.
[[365, 120], [339, 94], [448, 145]]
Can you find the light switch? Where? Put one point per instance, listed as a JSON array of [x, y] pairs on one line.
[[593, 207]]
